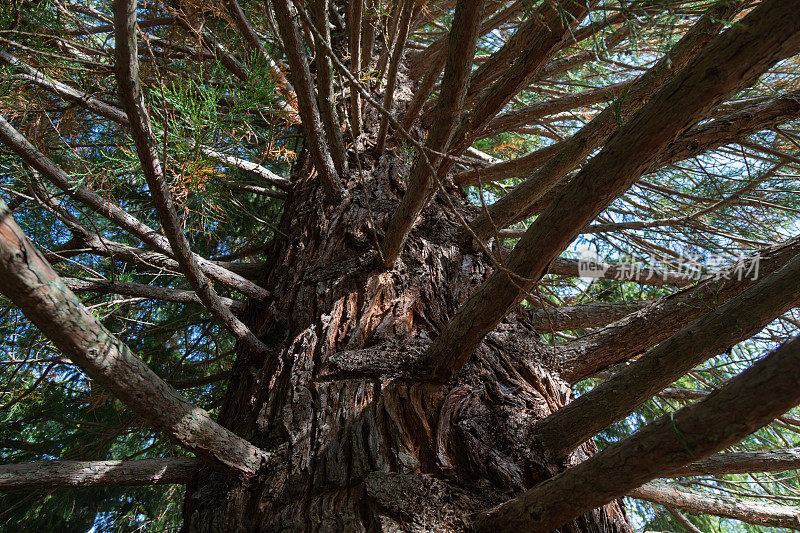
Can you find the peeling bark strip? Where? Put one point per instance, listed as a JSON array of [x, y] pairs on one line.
[[696, 502], [778, 460], [767, 34], [130, 91], [725, 417], [48, 475], [721, 328], [28, 280]]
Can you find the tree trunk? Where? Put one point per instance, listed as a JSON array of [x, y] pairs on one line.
[[365, 446]]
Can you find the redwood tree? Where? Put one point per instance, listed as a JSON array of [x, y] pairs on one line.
[[329, 250]]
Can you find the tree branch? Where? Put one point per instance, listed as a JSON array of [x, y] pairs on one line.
[[130, 91], [306, 100], [761, 514], [49, 475], [632, 335], [31, 284], [461, 50], [391, 75], [725, 417], [715, 332], [778, 460], [104, 286], [511, 206], [582, 316], [735, 58]]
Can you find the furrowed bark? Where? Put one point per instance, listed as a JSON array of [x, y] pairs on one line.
[[391, 75], [634, 334], [49, 475], [31, 284], [306, 101], [761, 514], [42, 164], [461, 50], [770, 32], [778, 460], [103, 286], [725, 417], [715, 332], [510, 207], [130, 92]]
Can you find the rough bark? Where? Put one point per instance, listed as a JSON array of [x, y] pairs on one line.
[[368, 446]]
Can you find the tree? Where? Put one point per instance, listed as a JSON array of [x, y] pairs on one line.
[[302, 265]]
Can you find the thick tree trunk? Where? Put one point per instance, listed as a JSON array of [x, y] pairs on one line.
[[365, 446]]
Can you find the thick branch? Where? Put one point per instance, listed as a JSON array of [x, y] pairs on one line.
[[313, 130], [596, 133], [582, 316], [761, 514], [778, 460], [631, 336], [461, 50], [622, 272], [49, 475], [391, 74], [31, 284], [694, 432], [546, 31], [768, 33], [719, 329], [354, 13], [686, 395], [327, 101], [528, 114]]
